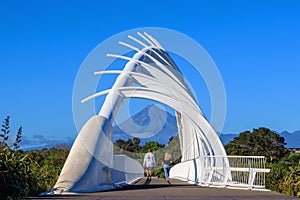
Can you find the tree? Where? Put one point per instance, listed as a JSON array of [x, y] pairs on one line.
[[17, 178], [153, 145], [119, 143], [284, 176], [131, 145], [18, 139], [5, 135], [136, 145], [259, 142], [291, 183], [5, 129]]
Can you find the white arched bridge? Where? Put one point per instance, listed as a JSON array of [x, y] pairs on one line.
[[152, 74]]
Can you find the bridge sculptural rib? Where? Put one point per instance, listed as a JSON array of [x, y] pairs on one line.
[[90, 164]]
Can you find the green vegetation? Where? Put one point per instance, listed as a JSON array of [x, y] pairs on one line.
[[133, 148], [262, 141], [29, 173], [285, 166], [285, 175]]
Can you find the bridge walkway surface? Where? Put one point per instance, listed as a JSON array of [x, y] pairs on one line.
[[158, 188]]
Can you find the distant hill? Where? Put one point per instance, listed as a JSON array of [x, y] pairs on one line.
[[150, 124], [292, 139], [38, 142], [146, 123], [153, 123]]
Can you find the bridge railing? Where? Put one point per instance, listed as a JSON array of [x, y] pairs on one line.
[[228, 171], [126, 170]]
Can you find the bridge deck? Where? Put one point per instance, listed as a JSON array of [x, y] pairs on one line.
[[160, 189]]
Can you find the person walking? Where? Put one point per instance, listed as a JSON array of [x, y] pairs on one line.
[[166, 165], [149, 163]]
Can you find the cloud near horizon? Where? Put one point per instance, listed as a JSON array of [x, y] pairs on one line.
[[39, 141]]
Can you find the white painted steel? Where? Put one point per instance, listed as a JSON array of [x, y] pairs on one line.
[[155, 41], [204, 159], [242, 172], [126, 170]]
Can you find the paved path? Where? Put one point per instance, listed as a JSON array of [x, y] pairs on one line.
[[160, 189]]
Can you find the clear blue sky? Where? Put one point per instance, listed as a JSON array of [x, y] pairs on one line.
[[255, 45]]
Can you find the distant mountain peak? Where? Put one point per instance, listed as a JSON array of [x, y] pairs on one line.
[[148, 114], [296, 132], [292, 139], [151, 123], [284, 133]]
